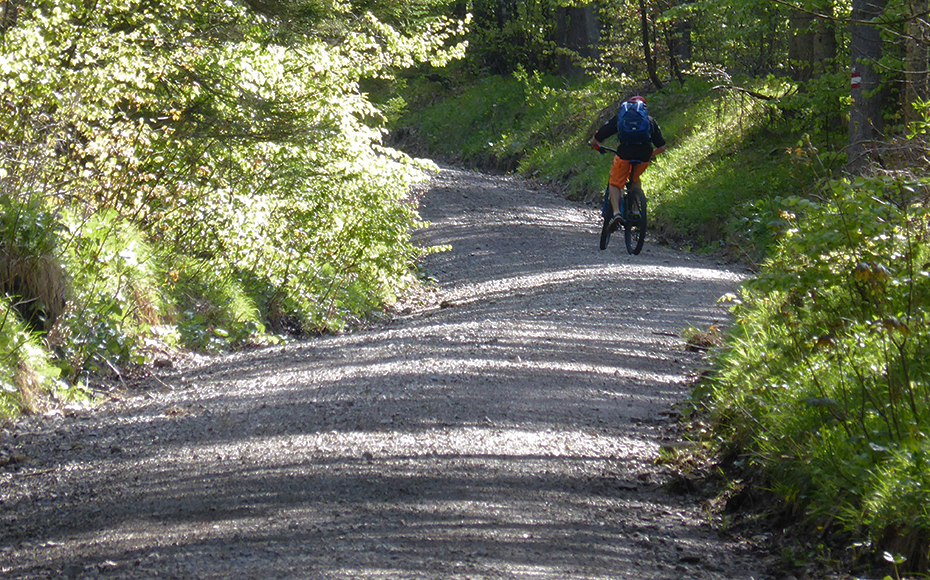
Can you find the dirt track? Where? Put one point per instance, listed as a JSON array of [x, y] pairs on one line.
[[502, 425]]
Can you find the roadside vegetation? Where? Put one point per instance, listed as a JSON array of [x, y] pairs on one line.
[[192, 175]]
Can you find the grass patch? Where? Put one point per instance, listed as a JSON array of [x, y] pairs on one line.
[[728, 155]]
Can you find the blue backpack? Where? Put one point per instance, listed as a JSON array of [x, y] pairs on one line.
[[633, 126]]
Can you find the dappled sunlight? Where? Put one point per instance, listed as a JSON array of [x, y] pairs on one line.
[[506, 426], [451, 502], [502, 443], [620, 272]]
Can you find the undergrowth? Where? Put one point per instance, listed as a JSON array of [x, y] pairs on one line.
[[824, 386]]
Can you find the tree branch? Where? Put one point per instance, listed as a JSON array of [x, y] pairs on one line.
[[751, 93], [823, 16]]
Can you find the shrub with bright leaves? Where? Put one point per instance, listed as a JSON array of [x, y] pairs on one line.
[[826, 382], [208, 158]]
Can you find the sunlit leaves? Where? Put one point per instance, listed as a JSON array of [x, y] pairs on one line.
[[826, 381], [246, 163]]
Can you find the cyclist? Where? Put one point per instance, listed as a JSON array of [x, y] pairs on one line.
[[626, 152]]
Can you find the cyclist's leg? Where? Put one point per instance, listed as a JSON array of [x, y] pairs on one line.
[[618, 176], [636, 183], [615, 199]]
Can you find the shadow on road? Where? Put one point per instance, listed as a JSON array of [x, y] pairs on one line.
[[506, 428]]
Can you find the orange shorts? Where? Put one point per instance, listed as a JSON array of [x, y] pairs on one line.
[[621, 169]]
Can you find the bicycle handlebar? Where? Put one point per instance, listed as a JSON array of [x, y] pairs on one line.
[[601, 149]]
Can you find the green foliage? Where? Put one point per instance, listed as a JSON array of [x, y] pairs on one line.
[[507, 35], [114, 297], [193, 171], [503, 121], [26, 375], [826, 381], [214, 313], [745, 36], [821, 107]]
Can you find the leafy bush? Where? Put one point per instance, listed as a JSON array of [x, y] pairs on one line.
[[26, 375], [214, 313], [826, 381], [114, 297], [195, 170]]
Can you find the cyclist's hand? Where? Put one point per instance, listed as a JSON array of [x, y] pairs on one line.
[[595, 145]]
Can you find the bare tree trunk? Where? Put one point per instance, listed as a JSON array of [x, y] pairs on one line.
[[683, 42], [672, 42], [578, 31], [651, 65], [801, 45], [812, 47], [866, 122], [825, 47], [812, 51], [918, 37]]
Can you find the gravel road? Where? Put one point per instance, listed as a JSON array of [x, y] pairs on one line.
[[503, 423]]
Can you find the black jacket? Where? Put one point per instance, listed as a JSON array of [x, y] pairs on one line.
[[632, 152]]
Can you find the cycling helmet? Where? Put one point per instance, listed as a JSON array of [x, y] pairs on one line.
[[638, 99]]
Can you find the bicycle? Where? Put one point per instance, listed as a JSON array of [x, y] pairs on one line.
[[633, 224]]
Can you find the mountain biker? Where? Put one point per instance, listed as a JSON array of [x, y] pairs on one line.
[[626, 152]]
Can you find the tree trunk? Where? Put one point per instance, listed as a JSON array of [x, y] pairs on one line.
[[825, 47], [651, 65], [812, 46], [682, 45], [671, 42], [801, 45], [578, 32], [866, 122], [918, 37]]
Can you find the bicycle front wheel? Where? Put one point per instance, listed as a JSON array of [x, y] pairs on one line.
[[635, 229], [605, 234]]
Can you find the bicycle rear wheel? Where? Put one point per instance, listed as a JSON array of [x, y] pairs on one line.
[[635, 229]]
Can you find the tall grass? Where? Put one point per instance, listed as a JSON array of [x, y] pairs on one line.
[[825, 385], [27, 374]]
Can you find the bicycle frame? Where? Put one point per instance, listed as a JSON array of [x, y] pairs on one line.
[[634, 225]]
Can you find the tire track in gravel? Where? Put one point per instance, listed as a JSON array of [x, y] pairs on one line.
[[502, 424]]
